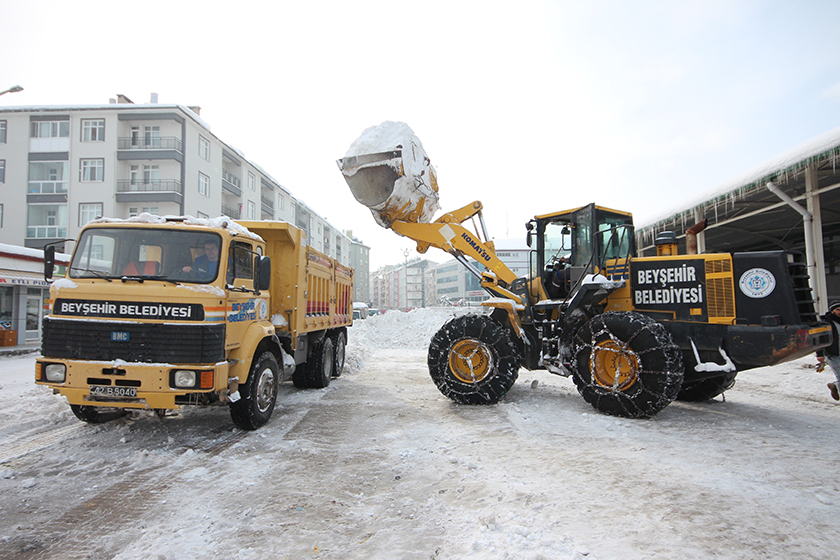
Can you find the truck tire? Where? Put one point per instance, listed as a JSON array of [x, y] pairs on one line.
[[706, 389], [258, 395], [339, 350], [96, 414], [317, 371], [626, 364], [472, 360]]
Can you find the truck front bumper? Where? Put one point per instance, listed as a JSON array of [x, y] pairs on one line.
[[130, 385]]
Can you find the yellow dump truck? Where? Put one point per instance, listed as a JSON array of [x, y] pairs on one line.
[[157, 313]]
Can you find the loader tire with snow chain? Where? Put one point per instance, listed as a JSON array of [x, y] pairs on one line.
[[339, 348], [258, 395], [317, 371], [626, 364], [706, 389], [472, 360]]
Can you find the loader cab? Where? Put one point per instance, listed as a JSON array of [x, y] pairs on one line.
[[586, 240]]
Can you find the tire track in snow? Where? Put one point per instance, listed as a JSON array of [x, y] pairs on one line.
[[101, 526]]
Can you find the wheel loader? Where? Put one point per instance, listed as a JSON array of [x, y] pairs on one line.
[[634, 333]]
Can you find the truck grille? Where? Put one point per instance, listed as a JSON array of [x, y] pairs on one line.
[[141, 342]]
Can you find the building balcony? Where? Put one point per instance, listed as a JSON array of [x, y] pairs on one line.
[[267, 205], [231, 183], [150, 143], [154, 190], [152, 147], [230, 211]]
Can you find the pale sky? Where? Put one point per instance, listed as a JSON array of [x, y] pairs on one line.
[[530, 107]]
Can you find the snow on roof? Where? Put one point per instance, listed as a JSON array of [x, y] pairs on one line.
[[222, 222], [790, 162], [29, 252]]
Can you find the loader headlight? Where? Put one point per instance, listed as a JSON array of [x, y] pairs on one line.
[[184, 378], [55, 372]]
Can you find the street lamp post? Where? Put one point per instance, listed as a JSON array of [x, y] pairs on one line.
[[13, 89]]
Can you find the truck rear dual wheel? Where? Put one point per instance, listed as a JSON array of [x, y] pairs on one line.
[[318, 369], [339, 350], [258, 396], [472, 360], [626, 364]]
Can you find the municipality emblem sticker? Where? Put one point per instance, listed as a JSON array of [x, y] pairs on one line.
[[757, 283]]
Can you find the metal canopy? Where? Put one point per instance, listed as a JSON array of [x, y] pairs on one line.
[[745, 216]]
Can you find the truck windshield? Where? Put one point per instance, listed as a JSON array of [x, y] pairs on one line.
[[147, 254]]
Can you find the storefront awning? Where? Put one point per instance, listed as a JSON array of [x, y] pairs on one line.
[[22, 278]]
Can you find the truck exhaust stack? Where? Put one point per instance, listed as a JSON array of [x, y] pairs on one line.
[[388, 171]]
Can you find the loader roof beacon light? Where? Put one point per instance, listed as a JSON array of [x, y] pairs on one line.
[[388, 171]]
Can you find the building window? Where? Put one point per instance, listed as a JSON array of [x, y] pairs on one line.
[[132, 212], [2, 170], [151, 174], [203, 184], [46, 221], [47, 177], [252, 210], [203, 148], [1, 215], [92, 170], [50, 129], [93, 130], [252, 181], [152, 136], [281, 202], [89, 212], [2, 132]]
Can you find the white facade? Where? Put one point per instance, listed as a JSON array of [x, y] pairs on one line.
[[61, 167]]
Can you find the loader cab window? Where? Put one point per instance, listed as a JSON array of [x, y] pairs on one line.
[[615, 237], [557, 241]]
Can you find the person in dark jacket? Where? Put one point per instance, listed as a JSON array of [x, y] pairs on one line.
[[831, 354], [204, 267]]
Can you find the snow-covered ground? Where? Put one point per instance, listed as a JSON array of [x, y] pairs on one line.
[[381, 465]]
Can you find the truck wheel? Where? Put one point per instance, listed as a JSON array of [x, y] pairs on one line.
[[258, 395], [706, 389], [339, 347], [472, 360], [317, 371], [96, 414], [625, 364]]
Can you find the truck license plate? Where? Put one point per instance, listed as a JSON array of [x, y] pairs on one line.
[[102, 391]]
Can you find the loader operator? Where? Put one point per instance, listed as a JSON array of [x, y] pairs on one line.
[[558, 286]]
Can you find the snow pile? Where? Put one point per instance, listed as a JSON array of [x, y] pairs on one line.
[[396, 329]]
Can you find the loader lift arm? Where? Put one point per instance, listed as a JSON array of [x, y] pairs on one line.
[[448, 234]]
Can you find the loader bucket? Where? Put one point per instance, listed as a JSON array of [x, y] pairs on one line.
[[371, 177], [388, 171]]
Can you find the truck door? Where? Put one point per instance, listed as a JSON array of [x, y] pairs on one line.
[[244, 306]]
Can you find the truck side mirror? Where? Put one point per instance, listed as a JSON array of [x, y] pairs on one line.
[[49, 261], [264, 273]]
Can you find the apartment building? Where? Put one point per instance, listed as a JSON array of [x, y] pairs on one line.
[[63, 166]]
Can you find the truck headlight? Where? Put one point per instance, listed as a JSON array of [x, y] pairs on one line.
[[55, 372], [184, 378]]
